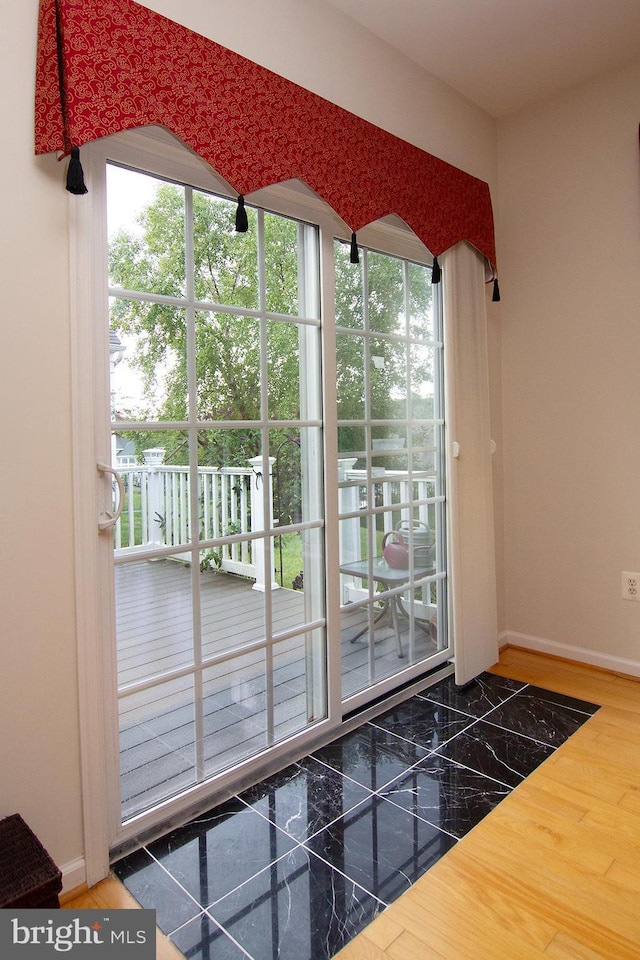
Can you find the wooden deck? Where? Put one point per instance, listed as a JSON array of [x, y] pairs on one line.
[[174, 734]]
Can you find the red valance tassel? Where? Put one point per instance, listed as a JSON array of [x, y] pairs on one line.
[[436, 272]]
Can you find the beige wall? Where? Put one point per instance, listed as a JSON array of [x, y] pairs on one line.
[[39, 771], [569, 253], [317, 47]]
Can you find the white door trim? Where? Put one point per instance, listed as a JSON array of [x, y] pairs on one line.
[[85, 259]]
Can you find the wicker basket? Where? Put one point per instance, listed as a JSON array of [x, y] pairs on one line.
[[28, 875]]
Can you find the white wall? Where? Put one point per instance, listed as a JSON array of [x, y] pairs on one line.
[[569, 253], [39, 772], [311, 44]]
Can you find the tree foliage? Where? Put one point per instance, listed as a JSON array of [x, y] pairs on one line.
[[372, 369]]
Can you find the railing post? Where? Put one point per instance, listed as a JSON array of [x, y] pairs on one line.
[[258, 524], [155, 497], [349, 529]]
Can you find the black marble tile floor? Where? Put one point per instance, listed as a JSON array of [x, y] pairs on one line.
[[296, 866]]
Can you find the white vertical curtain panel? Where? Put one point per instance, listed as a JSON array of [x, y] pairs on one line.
[[470, 504]]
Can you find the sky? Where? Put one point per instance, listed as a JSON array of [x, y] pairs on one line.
[[128, 193]]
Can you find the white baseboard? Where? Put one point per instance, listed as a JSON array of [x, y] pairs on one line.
[[74, 874], [580, 654]]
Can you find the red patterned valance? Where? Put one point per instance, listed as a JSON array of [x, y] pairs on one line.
[[109, 65]]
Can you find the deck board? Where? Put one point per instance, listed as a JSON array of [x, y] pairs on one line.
[[154, 620]]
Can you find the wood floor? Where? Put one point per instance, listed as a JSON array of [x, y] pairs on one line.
[[553, 872]]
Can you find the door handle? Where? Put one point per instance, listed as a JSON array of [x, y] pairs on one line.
[[111, 518]]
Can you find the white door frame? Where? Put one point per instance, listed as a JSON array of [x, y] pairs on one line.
[[91, 442]]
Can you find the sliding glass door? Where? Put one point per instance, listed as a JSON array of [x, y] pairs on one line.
[[256, 378], [390, 468], [216, 425]]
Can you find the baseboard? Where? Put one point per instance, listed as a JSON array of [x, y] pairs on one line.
[[630, 668], [74, 875]]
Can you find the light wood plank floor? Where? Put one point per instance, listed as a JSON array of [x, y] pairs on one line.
[[553, 872]]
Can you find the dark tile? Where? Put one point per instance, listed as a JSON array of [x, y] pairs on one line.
[[304, 798], [446, 794], [267, 895], [423, 722], [496, 752], [371, 756], [581, 706], [477, 698], [381, 847], [202, 939], [153, 888], [531, 713], [298, 908], [223, 848]]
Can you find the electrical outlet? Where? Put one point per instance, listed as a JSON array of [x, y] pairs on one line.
[[630, 585]]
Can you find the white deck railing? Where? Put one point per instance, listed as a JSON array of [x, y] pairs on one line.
[[157, 512]]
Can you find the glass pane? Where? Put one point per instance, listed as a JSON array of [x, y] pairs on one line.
[[154, 619], [297, 474], [354, 631], [157, 744], [424, 450], [388, 446], [230, 451], [310, 373], [354, 538], [420, 302], [284, 373], [350, 380], [418, 620], [281, 264], [232, 612], [146, 221], [235, 716], [299, 566], [349, 288], [422, 386], [391, 631], [289, 572], [148, 366], [352, 446], [225, 262], [386, 294], [227, 367], [294, 385], [298, 683], [156, 510], [388, 380]]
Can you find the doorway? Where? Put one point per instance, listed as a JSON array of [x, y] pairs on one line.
[[272, 406]]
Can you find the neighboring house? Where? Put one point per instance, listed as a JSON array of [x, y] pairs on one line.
[[125, 453]]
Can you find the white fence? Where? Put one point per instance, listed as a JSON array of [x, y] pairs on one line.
[[157, 512]]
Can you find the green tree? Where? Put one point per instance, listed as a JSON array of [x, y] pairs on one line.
[[380, 362], [152, 261]]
